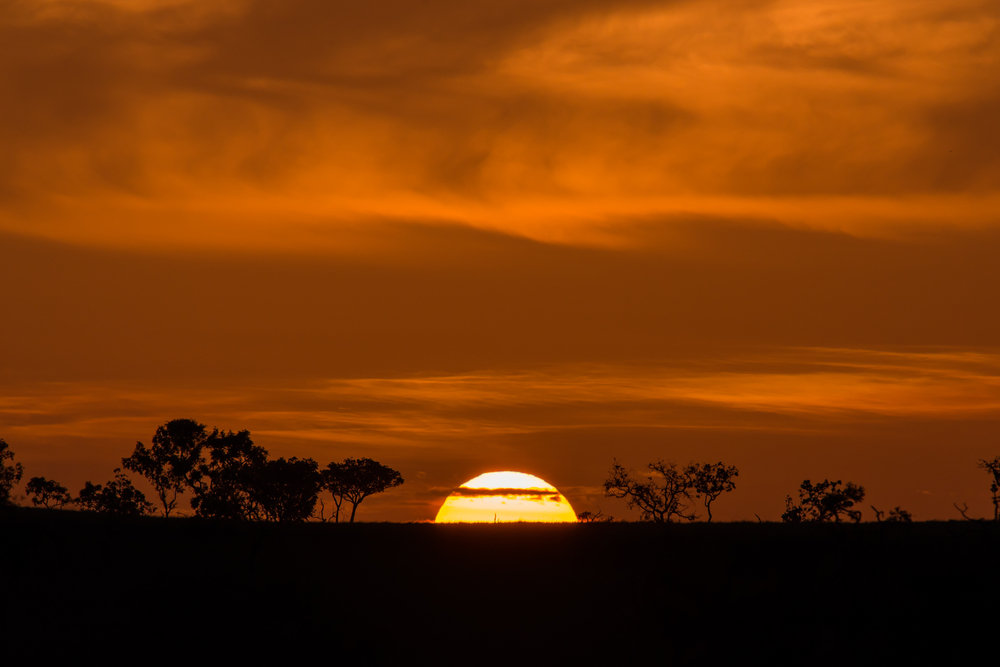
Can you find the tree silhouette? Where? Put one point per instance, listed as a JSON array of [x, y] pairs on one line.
[[118, 497], [333, 479], [590, 517], [48, 493], [356, 479], [169, 464], [10, 475], [287, 490], [826, 501], [224, 485], [992, 467], [656, 499], [668, 492], [711, 480]]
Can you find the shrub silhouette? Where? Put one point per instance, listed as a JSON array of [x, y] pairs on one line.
[[896, 515], [47, 492], [118, 497], [668, 492], [10, 475], [826, 501], [589, 517]]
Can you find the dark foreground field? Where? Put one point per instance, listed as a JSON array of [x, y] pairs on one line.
[[191, 591]]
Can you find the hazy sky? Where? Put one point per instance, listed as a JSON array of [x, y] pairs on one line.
[[460, 237]]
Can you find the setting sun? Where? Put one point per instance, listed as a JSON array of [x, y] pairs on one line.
[[505, 496]]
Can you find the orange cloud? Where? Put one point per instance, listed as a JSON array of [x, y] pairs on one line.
[[250, 124]]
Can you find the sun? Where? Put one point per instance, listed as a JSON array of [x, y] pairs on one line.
[[505, 496]]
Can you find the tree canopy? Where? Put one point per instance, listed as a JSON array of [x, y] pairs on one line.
[[224, 483], [171, 460], [824, 501], [116, 497], [667, 493], [10, 475], [48, 493], [356, 479]]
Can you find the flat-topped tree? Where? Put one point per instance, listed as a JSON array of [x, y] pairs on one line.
[[356, 479]]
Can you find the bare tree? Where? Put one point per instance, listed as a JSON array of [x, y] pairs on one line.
[[824, 501], [963, 510], [659, 499], [668, 492]]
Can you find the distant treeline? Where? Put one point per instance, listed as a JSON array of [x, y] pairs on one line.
[[225, 473], [670, 493], [229, 477]]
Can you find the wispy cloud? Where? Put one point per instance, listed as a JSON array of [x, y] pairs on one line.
[[253, 124], [818, 384]]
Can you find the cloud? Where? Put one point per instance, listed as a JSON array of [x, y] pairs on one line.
[[172, 123], [827, 386]]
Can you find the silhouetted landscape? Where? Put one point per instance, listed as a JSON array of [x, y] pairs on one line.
[[81, 584], [556, 333]]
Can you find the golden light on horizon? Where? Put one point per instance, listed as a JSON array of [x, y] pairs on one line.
[[506, 496]]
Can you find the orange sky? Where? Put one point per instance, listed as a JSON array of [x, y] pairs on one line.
[[461, 237]]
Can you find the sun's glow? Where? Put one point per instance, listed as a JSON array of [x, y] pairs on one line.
[[505, 496]]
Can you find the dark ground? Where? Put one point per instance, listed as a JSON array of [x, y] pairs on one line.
[[187, 590]]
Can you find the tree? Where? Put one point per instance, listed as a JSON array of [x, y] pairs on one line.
[[657, 500], [118, 497], [224, 485], [711, 480], [10, 475], [826, 501], [992, 467], [47, 492], [356, 479], [287, 490], [333, 479], [237, 481], [590, 517], [171, 461]]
